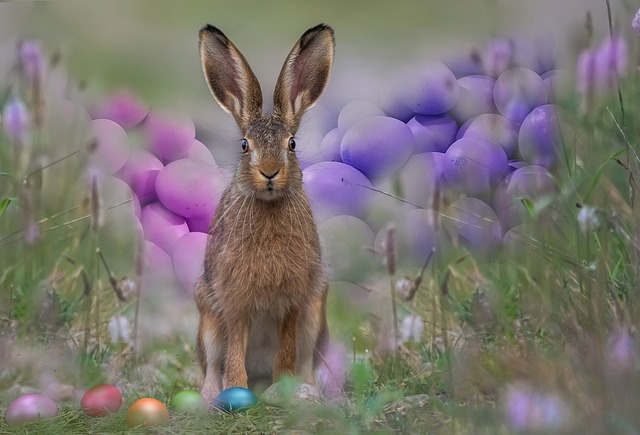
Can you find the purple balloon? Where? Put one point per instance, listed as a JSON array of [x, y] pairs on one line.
[[356, 110], [331, 144], [140, 173], [188, 259], [463, 128], [467, 65], [432, 133], [531, 183], [191, 188], [518, 91], [162, 227], [170, 135], [420, 178], [539, 137], [336, 188], [112, 145], [431, 91], [474, 225], [158, 268], [30, 408], [476, 97], [122, 107], [475, 165], [496, 128], [377, 146], [199, 224]]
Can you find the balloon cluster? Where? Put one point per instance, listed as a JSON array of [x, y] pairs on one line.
[[474, 139]]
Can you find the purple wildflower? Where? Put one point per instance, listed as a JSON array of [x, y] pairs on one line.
[[15, 120], [31, 59], [527, 410], [611, 60], [621, 349], [333, 370], [635, 23]]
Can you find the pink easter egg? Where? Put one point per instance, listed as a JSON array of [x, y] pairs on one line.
[[170, 134], [188, 259], [162, 227]]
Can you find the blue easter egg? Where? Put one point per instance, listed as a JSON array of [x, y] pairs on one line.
[[235, 399]]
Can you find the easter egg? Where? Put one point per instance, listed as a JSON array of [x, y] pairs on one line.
[[474, 165], [335, 188], [518, 91], [162, 227], [189, 402], [377, 145], [235, 399], [475, 226], [111, 150], [140, 173], [170, 134], [432, 90], [496, 128], [199, 151], [476, 97], [539, 136], [432, 133], [101, 400], [147, 412], [191, 187], [122, 107], [30, 407], [188, 259], [330, 145], [356, 110]]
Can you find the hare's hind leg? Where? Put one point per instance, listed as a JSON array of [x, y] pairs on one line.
[[237, 337], [211, 350], [312, 339], [285, 361]]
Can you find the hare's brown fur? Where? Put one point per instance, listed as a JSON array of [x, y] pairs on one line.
[[262, 296]]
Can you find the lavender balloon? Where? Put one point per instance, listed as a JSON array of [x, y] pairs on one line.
[[122, 107], [188, 259], [170, 134], [539, 137], [475, 165], [518, 91], [496, 128], [476, 97], [191, 188], [474, 225], [432, 90], [420, 179], [140, 173], [533, 184], [377, 146], [30, 408], [336, 189], [331, 145], [111, 145], [162, 227], [432, 133]]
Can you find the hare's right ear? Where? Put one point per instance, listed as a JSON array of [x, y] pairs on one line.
[[231, 80]]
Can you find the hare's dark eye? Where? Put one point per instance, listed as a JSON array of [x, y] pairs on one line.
[[292, 144], [245, 145]]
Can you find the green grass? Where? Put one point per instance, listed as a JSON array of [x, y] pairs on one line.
[[542, 317]]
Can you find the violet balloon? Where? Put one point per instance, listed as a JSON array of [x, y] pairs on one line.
[[475, 165], [162, 227], [188, 259], [356, 110], [476, 97], [331, 145], [518, 91], [191, 188], [432, 133], [496, 128], [170, 134], [111, 150], [539, 136], [377, 146], [335, 189]]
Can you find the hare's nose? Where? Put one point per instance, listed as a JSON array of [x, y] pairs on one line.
[[271, 175]]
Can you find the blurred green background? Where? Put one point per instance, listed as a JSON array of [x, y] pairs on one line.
[[150, 46]]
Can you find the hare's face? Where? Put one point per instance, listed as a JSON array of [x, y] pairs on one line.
[[268, 165]]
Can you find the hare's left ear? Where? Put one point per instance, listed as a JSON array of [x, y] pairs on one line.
[[304, 75]]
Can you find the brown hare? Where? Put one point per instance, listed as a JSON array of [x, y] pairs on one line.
[[262, 295]]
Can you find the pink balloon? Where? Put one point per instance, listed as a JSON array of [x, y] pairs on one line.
[[170, 135], [188, 259], [162, 227], [140, 172], [112, 145], [123, 107]]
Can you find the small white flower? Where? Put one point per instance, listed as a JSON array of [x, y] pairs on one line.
[[119, 329], [412, 327], [588, 219], [404, 286]]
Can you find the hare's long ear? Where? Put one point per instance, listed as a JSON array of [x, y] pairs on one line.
[[304, 74], [231, 80]]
